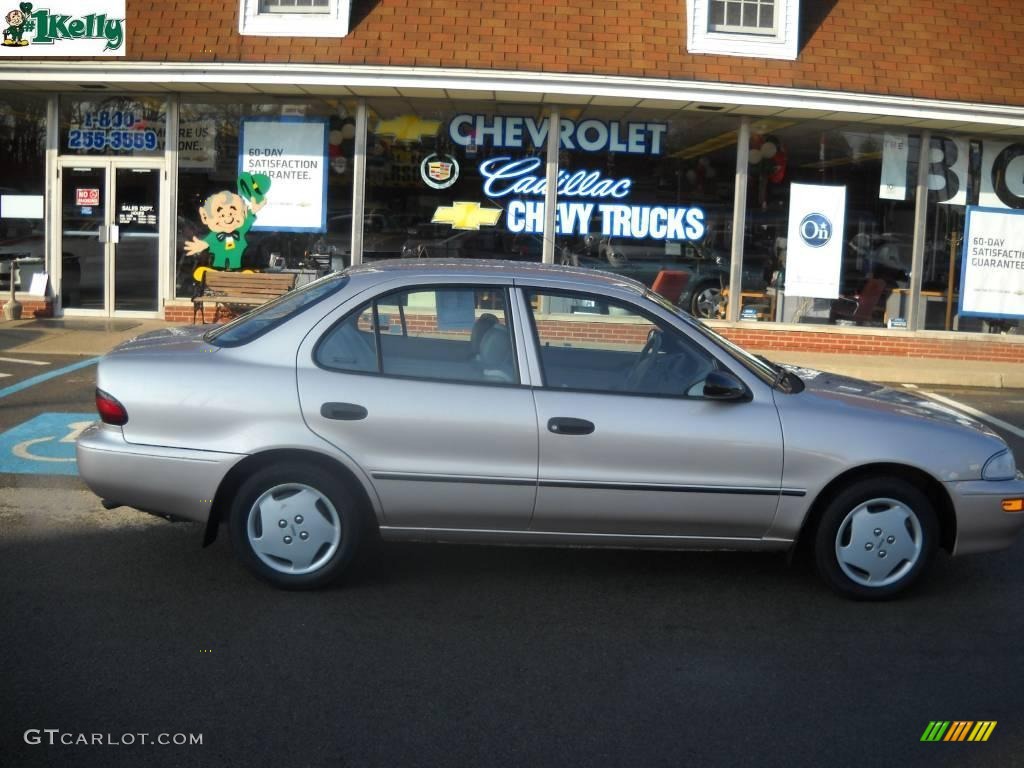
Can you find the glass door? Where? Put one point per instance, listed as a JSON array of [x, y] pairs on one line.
[[83, 236], [109, 237], [136, 240]]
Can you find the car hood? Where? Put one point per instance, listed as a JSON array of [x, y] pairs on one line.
[[187, 338], [880, 398]]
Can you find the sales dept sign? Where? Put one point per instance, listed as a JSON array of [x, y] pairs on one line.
[[63, 28], [992, 268]]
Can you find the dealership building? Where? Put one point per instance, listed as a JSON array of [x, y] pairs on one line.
[[837, 175]]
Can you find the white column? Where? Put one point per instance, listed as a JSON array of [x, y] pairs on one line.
[[739, 218], [359, 183]]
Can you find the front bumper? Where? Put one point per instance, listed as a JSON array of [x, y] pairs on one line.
[[981, 523], [165, 481]]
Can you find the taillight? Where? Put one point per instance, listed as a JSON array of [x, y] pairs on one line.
[[111, 411]]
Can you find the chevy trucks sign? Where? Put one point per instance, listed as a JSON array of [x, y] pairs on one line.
[[64, 28]]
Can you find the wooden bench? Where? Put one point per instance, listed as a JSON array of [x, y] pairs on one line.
[[245, 288]]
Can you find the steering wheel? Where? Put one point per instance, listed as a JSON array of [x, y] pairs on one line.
[[639, 369]]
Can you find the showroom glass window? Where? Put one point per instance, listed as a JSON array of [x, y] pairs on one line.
[[22, 186], [649, 192], [440, 176], [848, 192], [312, 136], [964, 171]]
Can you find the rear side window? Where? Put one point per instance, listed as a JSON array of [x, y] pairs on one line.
[[445, 333], [351, 345], [254, 324]]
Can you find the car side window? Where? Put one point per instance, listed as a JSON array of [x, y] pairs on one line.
[[351, 345], [450, 333], [588, 342], [447, 333]]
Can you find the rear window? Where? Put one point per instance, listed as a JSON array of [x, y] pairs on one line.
[[254, 324]]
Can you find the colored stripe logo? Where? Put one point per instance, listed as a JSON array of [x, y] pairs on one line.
[[958, 730]]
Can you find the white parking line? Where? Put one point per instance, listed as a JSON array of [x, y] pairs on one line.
[[22, 362], [975, 413], [4, 375]]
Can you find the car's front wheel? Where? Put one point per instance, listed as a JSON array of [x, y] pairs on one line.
[[295, 526], [875, 538]]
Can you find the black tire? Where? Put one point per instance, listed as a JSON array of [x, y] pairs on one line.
[[333, 536], [864, 530]]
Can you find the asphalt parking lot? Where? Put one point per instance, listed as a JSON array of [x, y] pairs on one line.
[[117, 623]]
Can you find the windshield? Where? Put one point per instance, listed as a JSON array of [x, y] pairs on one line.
[[762, 368], [253, 324]]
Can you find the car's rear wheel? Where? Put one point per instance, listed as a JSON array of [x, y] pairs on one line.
[[294, 526], [875, 538]]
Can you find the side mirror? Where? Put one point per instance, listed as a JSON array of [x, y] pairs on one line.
[[722, 385]]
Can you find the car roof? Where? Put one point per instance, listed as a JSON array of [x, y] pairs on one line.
[[492, 268]]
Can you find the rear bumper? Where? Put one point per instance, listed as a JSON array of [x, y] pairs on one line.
[[981, 524], [164, 481]]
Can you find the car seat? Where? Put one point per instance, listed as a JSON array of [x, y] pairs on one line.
[[495, 357], [483, 324]]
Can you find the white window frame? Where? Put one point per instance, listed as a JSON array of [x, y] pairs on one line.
[[783, 44], [333, 23]]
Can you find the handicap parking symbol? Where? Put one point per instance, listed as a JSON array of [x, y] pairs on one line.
[[44, 445]]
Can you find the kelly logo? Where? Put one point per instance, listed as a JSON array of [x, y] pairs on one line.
[[958, 730], [52, 27]]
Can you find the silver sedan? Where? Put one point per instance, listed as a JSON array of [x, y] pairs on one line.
[[495, 402]]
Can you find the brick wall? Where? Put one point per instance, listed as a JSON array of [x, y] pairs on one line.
[[31, 306], [988, 347], [966, 347], [970, 51]]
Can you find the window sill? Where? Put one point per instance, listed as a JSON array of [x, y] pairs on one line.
[[333, 24], [723, 44]]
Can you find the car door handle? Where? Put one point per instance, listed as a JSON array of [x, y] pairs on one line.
[[343, 411], [567, 426]]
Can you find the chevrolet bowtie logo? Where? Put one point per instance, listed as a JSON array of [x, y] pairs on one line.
[[466, 216], [407, 128]]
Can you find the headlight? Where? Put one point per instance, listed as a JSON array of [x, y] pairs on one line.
[[1000, 467]]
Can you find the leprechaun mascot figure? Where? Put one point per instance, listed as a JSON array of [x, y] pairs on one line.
[[19, 21], [229, 217]]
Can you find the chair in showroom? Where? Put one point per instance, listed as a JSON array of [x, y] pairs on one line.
[[867, 307], [671, 283]]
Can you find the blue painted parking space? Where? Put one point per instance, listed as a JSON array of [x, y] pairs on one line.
[[44, 445]]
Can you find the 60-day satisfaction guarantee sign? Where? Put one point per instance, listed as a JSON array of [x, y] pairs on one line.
[[293, 153], [992, 273]]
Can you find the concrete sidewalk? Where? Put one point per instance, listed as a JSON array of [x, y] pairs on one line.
[[89, 337]]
